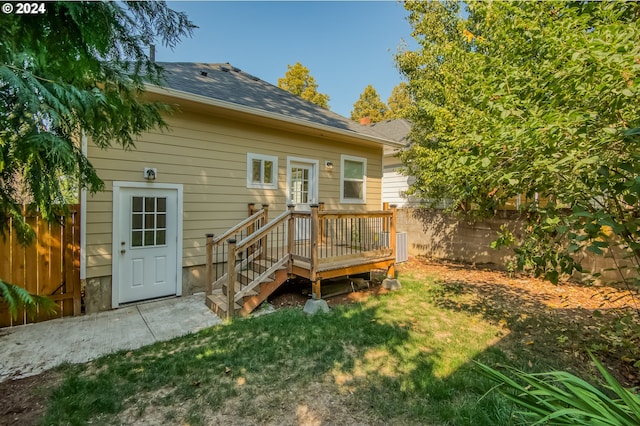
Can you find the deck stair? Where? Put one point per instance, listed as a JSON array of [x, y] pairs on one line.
[[262, 280], [251, 260]]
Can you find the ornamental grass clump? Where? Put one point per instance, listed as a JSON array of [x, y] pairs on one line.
[[560, 398]]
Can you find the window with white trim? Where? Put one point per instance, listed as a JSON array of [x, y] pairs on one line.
[[262, 171], [353, 179]]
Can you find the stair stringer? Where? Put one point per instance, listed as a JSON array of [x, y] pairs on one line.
[[265, 290]]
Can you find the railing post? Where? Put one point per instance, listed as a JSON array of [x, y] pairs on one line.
[[263, 241], [385, 223], [290, 237], [321, 223], [231, 278], [209, 266], [392, 240], [315, 282], [250, 211]]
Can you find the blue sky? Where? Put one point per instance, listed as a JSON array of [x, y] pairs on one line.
[[345, 45]]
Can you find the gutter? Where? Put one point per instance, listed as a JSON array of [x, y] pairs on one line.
[[269, 115]]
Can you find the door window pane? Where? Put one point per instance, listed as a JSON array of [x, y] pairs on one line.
[[149, 221], [149, 238], [161, 221], [149, 204], [136, 221], [136, 239], [299, 185], [137, 204], [161, 237]]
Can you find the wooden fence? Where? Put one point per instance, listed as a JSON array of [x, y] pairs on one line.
[[48, 267]]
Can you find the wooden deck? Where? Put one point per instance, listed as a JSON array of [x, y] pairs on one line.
[[315, 245]]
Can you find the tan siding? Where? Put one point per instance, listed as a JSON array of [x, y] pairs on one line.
[[208, 157]]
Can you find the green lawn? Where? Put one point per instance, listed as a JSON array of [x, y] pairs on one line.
[[398, 358]]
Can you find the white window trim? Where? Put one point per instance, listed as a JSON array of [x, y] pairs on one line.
[[262, 157], [344, 200]]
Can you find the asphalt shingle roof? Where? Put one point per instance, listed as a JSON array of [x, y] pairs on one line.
[[227, 83]]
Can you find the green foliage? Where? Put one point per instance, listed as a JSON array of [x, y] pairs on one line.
[[369, 105], [78, 68], [560, 398], [526, 98], [300, 82], [19, 298]]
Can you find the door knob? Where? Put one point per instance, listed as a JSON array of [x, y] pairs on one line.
[[123, 251]]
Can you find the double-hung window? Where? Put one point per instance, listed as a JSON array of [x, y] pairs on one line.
[[353, 179], [262, 171]]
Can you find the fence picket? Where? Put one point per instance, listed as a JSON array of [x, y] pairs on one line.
[[44, 266]]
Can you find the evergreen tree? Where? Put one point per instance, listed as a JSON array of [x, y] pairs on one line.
[[369, 105], [74, 67], [299, 81], [399, 101]]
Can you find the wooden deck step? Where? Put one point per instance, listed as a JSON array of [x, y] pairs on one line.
[[217, 302]]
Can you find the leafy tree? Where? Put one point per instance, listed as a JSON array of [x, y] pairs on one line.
[[298, 81], [399, 101], [369, 105], [526, 98], [77, 67]]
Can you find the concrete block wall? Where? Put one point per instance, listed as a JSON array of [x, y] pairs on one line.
[[438, 235]]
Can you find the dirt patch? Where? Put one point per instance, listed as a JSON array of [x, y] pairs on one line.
[[562, 321], [23, 401]]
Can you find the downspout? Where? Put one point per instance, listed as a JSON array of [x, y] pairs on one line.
[[83, 221]]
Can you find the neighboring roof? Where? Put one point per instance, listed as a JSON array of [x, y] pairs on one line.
[[396, 130], [229, 84]]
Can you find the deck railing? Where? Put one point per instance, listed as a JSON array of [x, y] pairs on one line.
[[320, 240], [339, 234], [218, 250]]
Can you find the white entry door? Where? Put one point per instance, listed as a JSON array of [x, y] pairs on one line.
[[147, 243], [302, 186]]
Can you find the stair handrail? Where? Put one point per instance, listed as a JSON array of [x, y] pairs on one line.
[[237, 247], [262, 232], [242, 225]]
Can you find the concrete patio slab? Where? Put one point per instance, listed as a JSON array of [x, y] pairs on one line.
[[30, 349]]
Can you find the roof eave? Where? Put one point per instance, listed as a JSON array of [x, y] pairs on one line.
[[269, 115]]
